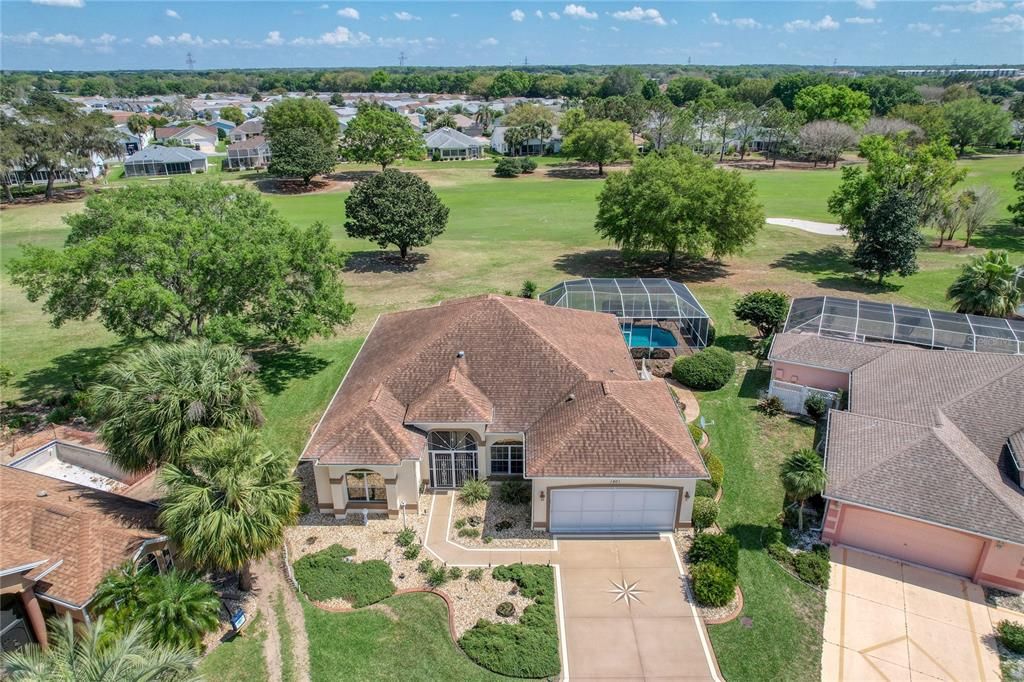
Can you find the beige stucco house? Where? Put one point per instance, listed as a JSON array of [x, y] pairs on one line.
[[498, 387]]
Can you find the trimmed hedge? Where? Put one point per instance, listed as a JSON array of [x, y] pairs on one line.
[[528, 648], [1011, 636], [712, 584], [705, 512], [716, 470], [704, 489], [721, 550], [812, 567], [696, 433], [708, 370], [326, 575]]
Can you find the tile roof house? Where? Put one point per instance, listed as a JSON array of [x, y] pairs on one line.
[[59, 539], [497, 387]]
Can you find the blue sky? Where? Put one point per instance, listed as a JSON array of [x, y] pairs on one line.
[[135, 34]]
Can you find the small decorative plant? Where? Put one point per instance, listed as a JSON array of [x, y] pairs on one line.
[[506, 609], [411, 552], [475, 575], [1011, 636], [437, 576], [454, 573], [469, 533], [405, 537], [474, 491], [705, 513], [771, 406], [815, 406], [425, 566]]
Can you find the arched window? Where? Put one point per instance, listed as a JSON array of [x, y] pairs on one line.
[[507, 458], [365, 486], [453, 458]]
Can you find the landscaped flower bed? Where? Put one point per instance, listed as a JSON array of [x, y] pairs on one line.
[[495, 523]]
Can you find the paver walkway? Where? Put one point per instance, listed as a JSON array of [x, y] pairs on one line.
[[887, 620], [622, 604]]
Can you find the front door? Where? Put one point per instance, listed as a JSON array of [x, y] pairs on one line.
[[452, 469]]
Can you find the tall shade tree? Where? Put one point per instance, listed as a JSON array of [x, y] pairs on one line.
[[395, 208], [973, 121], [766, 310], [12, 154], [803, 476], [51, 135], [833, 103], [88, 653], [233, 115], [299, 152], [679, 203], [889, 238], [305, 113], [228, 501], [151, 400], [978, 205], [527, 115], [382, 137], [189, 259], [779, 127], [987, 285], [1016, 209], [600, 141]]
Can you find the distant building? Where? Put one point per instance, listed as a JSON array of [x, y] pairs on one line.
[[448, 143], [997, 72], [159, 160], [250, 128], [199, 138], [532, 147], [251, 153]]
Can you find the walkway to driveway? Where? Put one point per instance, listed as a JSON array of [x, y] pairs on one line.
[[622, 604], [887, 620]]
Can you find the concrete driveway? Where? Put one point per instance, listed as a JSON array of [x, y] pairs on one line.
[[625, 613], [887, 620]]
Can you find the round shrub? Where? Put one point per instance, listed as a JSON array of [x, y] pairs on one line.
[[454, 573], [696, 433], [815, 406], [705, 512], [1011, 636], [506, 609], [474, 491], [405, 537], [527, 164], [780, 552], [475, 575], [425, 566], [437, 576], [716, 470], [720, 550], [507, 168], [812, 567], [708, 370], [704, 489], [712, 584], [712, 334], [411, 552]]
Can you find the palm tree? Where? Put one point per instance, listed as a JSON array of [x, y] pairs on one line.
[[445, 120], [802, 476], [138, 124], [542, 130], [87, 653], [179, 609], [987, 285], [484, 115], [228, 500], [152, 398], [515, 137], [120, 595]]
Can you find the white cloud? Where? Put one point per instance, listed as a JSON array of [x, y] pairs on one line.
[[339, 37], [862, 20], [554, 15], [323, 6], [578, 12], [976, 7], [922, 27], [540, 15], [826, 23], [22, 38], [405, 16], [274, 38], [185, 39], [1008, 24], [713, 45], [64, 39], [104, 43], [1018, 5], [488, 42], [172, 14], [615, 29], [517, 14], [647, 16], [740, 22], [867, 4], [454, 15], [60, 3], [154, 41], [348, 13]]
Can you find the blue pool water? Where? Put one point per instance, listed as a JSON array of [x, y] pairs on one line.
[[647, 336]]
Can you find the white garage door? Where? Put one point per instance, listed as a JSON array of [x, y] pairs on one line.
[[612, 510]]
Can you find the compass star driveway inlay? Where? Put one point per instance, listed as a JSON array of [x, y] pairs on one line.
[[625, 612]]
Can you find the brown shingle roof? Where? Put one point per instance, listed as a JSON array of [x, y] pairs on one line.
[[88, 532], [521, 359], [251, 143], [924, 438], [817, 351]]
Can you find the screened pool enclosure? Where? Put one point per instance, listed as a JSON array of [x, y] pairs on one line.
[[871, 321], [635, 302]]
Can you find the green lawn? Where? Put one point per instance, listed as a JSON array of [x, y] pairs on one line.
[[240, 660], [287, 640], [402, 638]]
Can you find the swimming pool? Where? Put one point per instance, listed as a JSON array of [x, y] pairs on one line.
[[649, 336]]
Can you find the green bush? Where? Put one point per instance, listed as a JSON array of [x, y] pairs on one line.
[[507, 168], [771, 406], [460, 524], [469, 533], [812, 567], [437, 576], [474, 491], [705, 513], [721, 550], [1011, 636], [454, 573], [765, 310], [487, 539], [707, 370], [515, 491], [326, 575], [528, 648], [405, 537], [780, 552], [528, 289], [527, 164], [696, 433], [412, 552], [425, 566], [704, 489], [716, 470], [712, 334], [815, 406], [475, 575], [712, 584]]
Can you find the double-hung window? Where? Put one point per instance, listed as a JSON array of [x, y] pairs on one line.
[[507, 458]]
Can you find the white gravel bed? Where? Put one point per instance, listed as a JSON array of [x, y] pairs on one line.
[[1006, 600], [478, 600], [493, 511]]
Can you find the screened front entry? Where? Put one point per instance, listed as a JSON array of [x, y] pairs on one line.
[[453, 458]]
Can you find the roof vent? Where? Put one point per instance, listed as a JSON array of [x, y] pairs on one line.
[[461, 354], [41, 493]]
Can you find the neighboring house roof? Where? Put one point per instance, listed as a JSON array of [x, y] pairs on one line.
[[245, 145], [179, 132], [825, 353], [254, 126], [449, 138], [159, 153], [74, 534], [462, 121], [498, 136], [925, 437], [562, 377]]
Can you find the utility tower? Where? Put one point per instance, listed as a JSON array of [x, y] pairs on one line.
[[191, 63], [401, 59]]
